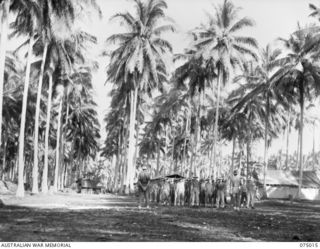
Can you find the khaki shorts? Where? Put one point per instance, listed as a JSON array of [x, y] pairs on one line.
[[235, 190], [143, 188]]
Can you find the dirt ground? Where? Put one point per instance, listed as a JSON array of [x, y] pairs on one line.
[[79, 217]]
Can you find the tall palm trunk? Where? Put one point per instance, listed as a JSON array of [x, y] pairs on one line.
[[12, 173], [5, 8], [220, 161], [35, 189], [124, 163], [64, 127], [173, 144], [132, 139], [298, 150], [287, 139], [234, 141], [15, 170], [240, 153], [191, 138], [233, 152], [265, 165], [158, 159], [192, 157], [114, 164], [122, 173], [197, 135], [301, 88], [79, 173], [195, 142], [118, 164], [215, 130], [4, 156], [20, 189], [73, 165], [248, 154], [184, 160], [280, 166], [175, 167], [210, 168], [136, 151], [44, 184], [313, 148], [65, 176], [57, 168], [124, 154], [166, 145]]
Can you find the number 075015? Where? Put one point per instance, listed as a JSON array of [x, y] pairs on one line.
[[309, 244]]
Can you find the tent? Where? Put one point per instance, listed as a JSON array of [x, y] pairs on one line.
[[176, 176], [172, 177], [283, 184]]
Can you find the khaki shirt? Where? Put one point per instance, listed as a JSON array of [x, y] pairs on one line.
[[251, 187], [221, 186], [144, 178], [235, 184]]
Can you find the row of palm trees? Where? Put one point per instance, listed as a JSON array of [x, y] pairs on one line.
[[180, 120], [224, 89], [59, 116], [137, 66]]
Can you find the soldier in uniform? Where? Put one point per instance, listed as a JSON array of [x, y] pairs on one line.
[[251, 192], [143, 185], [221, 186], [243, 192], [235, 188]]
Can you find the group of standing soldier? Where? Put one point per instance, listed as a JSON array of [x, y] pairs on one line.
[[242, 191]]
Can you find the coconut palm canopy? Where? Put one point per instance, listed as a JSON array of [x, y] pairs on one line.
[[136, 82]]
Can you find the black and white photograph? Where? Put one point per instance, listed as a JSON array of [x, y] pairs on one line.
[[159, 121]]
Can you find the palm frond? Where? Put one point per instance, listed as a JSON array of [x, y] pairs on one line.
[[249, 41], [242, 23]]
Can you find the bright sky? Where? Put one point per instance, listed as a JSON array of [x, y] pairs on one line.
[[274, 18]]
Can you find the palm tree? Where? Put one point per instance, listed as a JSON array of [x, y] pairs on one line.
[[83, 131], [11, 110], [258, 102], [300, 69], [62, 58], [81, 127], [174, 111], [261, 75], [113, 145], [117, 129], [232, 129], [138, 61], [46, 15], [46, 33], [44, 183], [151, 145], [198, 74], [315, 11], [220, 41], [5, 7], [53, 75], [25, 24], [53, 46]]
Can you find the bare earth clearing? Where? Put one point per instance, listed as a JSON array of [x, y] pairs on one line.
[[73, 217]]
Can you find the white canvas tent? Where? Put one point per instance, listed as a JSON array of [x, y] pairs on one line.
[[282, 184]]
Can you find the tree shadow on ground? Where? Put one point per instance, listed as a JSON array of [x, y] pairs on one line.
[[114, 218]]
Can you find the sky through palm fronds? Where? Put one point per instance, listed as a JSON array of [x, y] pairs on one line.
[[273, 19]]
